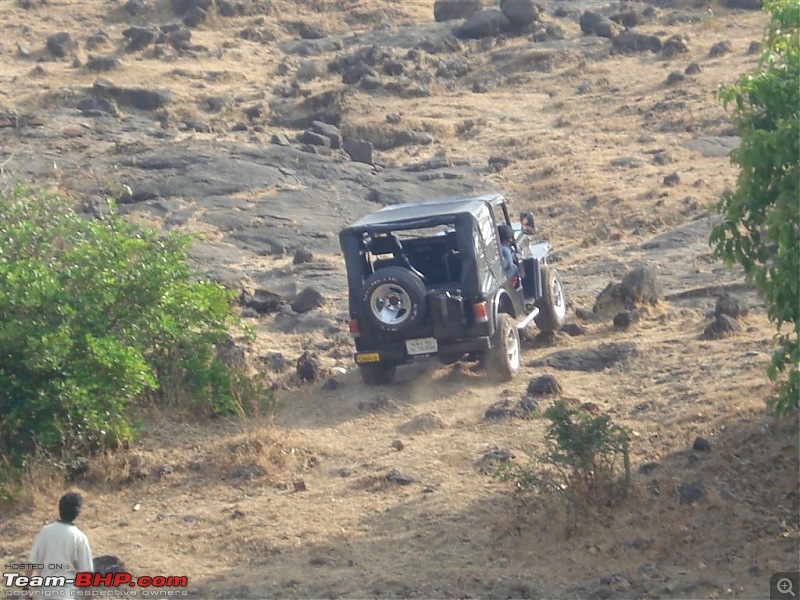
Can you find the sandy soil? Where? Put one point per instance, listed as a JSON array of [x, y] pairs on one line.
[[219, 500]]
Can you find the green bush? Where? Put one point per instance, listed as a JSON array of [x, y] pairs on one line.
[[761, 217], [96, 315], [586, 461]]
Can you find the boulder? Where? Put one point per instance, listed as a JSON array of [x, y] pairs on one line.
[[102, 63], [447, 10], [629, 42], [307, 300], [359, 150], [482, 24], [329, 131], [593, 23], [720, 49], [730, 305], [520, 13], [140, 37], [744, 4], [307, 367], [61, 44]]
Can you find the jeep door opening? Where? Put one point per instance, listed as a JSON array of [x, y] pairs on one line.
[[427, 279]]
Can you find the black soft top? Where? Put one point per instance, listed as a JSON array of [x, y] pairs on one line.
[[422, 214]]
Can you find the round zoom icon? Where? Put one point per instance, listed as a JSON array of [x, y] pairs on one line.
[[785, 586]]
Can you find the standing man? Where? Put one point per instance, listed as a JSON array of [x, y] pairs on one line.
[[62, 548]]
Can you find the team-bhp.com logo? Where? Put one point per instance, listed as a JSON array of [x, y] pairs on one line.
[[94, 584]]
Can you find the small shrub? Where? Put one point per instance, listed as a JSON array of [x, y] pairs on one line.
[[96, 315], [586, 461]]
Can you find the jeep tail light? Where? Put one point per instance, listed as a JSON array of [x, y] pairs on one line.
[[480, 311], [355, 328]]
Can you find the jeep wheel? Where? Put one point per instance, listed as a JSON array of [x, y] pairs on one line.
[[394, 299], [377, 374], [553, 304], [502, 361]]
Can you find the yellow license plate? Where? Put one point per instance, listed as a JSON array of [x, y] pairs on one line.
[[369, 357]]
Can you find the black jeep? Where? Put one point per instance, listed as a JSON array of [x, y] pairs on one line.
[[427, 279]]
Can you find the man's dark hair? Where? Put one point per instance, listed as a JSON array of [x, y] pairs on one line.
[[69, 507], [506, 233]]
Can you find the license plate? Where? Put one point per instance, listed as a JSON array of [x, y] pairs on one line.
[[422, 346], [369, 357]]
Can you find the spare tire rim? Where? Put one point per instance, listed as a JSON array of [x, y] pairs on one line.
[[512, 347], [558, 298], [390, 304]]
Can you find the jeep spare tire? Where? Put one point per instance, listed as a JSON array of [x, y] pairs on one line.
[[553, 303], [394, 299]]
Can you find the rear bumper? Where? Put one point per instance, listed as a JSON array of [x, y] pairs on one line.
[[396, 353]]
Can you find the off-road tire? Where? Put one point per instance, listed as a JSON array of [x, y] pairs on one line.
[[377, 374], [398, 283], [553, 303], [502, 362]]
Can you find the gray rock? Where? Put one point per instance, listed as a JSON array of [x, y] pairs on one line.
[[720, 49], [330, 384], [226, 8], [308, 367], [588, 359], [623, 320], [92, 106], [378, 403], [677, 44], [102, 63], [730, 305], [329, 131], [523, 409], [490, 460], [135, 7], [546, 385], [140, 37], [307, 300], [302, 256], [701, 445], [310, 32], [280, 140], [629, 42], [520, 13], [754, 47], [394, 67], [692, 493], [181, 6], [314, 139], [359, 150], [573, 329], [308, 70], [487, 23], [395, 476], [455, 66], [108, 563], [674, 78], [140, 98], [197, 125], [413, 138], [641, 285], [447, 10], [370, 83], [593, 23], [638, 286], [693, 69], [354, 73], [722, 327], [628, 18], [261, 300], [61, 44]]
